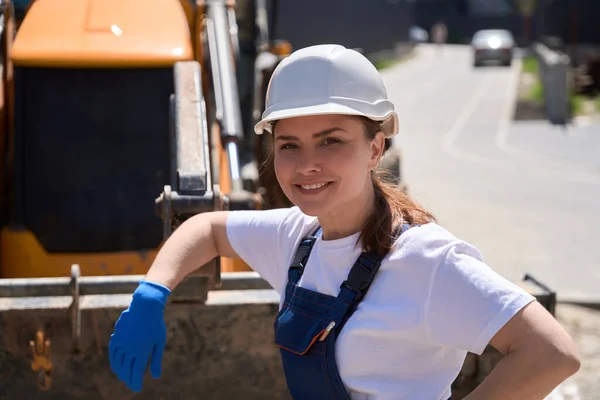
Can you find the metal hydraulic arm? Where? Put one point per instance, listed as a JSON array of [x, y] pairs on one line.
[[228, 114]]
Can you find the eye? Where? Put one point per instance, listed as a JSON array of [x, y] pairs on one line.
[[330, 140], [288, 146]]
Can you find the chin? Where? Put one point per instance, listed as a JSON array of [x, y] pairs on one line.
[[314, 208], [310, 209]]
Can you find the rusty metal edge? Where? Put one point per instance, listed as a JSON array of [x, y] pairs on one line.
[[125, 284], [121, 301]]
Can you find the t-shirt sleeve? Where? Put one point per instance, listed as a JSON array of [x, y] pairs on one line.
[[469, 302], [259, 238]]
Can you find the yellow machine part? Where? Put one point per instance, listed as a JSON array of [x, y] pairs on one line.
[[103, 33], [22, 256]]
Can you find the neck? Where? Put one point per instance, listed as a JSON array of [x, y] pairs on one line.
[[350, 217]]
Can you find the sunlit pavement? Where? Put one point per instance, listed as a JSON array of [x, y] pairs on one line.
[[526, 194]]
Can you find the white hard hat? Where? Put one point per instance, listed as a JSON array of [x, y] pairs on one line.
[[327, 79]]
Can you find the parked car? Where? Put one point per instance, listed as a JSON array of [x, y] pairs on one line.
[[492, 45]]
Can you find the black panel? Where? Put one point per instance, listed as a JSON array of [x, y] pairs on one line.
[[372, 25], [92, 155]]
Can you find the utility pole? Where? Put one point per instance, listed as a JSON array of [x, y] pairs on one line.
[[526, 9]]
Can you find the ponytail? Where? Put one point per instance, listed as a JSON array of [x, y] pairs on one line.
[[393, 207]]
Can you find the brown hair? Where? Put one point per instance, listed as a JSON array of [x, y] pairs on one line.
[[393, 206]]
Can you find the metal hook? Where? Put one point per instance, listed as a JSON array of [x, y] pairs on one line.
[[40, 351]]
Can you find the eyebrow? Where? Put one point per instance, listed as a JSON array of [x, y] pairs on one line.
[[315, 135]]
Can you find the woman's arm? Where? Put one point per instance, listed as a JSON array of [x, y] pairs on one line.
[[538, 356], [197, 241]]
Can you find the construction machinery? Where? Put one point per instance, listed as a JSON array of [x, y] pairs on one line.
[[121, 119]]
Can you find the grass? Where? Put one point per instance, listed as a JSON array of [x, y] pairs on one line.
[[577, 104], [536, 92], [585, 105], [530, 65], [384, 63]]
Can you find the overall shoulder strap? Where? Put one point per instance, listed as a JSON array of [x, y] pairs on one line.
[[301, 257], [361, 276]]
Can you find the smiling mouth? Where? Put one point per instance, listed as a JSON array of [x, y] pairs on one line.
[[314, 186]]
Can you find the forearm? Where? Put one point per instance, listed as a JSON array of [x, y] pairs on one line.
[[525, 375], [190, 246]]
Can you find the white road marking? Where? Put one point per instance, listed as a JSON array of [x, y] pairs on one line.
[[450, 137]]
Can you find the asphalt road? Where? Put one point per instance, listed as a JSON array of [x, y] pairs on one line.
[[526, 194]]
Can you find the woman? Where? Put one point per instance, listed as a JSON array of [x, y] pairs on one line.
[[377, 300]]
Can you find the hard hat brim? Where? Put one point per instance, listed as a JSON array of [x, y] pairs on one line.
[[389, 121]]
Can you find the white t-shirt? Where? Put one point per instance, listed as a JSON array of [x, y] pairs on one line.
[[432, 300]]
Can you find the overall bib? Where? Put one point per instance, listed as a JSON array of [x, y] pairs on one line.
[[309, 323]]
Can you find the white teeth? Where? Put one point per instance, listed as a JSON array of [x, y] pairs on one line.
[[315, 186]]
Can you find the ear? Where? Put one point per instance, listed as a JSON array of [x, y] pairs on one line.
[[377, 147]]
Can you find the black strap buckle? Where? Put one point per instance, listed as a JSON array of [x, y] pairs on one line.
[[300, 259], [302, 253], [362, 274]]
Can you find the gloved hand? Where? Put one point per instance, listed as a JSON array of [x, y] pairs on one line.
[[140, 335]]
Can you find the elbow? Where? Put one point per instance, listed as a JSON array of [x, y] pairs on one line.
[[566, 360], [571, 363], [557, 360]]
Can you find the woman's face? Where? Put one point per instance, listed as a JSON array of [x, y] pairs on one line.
[[323, 163]]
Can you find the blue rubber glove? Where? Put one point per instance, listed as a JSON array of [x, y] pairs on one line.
[[140, 335]]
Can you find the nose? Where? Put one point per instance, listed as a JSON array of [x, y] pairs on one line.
[[307, 163]]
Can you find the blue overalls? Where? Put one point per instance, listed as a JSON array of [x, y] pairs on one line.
[[309, 323]]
